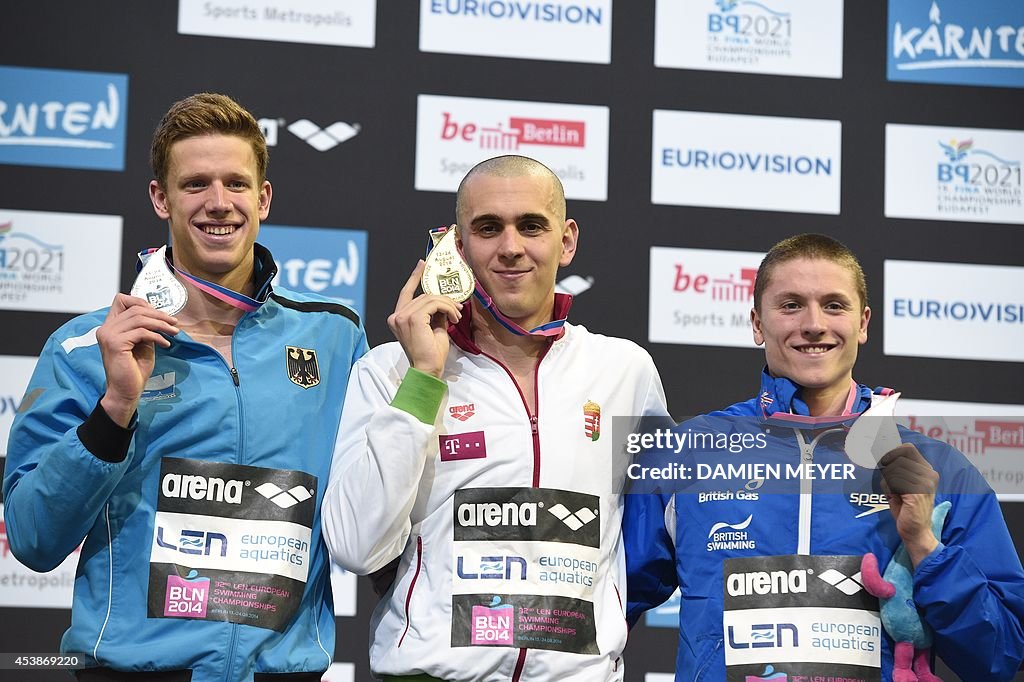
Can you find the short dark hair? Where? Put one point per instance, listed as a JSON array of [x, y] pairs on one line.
[[812, 247], [514, 166], [205, 113]]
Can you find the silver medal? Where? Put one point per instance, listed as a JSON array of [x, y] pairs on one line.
[[158, 285]]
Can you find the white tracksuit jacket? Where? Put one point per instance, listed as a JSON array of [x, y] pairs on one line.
[[507, 525]]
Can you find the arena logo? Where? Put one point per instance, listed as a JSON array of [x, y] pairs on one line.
[[561, 30], [64, 119], [954, 174], [847, 584], [320, 22], [455, 133], [320, 139], [738, 161], [702, 296], [765, 582], [954, 310], [574, 520], [285, 498], [186, 486], [958, 42], [574, 285], [494, 514], [785, 37]]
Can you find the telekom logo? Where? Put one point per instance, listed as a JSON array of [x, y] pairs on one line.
[[518, 131], [5, 548]]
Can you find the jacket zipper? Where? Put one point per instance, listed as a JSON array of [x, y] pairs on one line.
[[535, 435], [803, 542], [229, 673], [534, 429]]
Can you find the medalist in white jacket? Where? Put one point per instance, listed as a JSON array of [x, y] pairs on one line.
[[507, 523]]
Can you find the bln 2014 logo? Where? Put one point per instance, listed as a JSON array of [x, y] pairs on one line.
[[187, 597], [492, 624], [974, 180], [746, 22], [968, 42]]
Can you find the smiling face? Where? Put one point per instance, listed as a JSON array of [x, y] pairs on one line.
[[213, 201], [811, 322], [515, 239]]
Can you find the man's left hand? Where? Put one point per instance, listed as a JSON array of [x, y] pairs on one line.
[[910, 482]]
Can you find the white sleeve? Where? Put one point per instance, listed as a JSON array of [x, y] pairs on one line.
[[379, 458]]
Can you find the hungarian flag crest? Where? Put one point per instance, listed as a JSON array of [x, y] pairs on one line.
[[592, 420]]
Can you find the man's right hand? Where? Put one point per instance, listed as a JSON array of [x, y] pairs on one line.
[[127, 341], [421, 325]]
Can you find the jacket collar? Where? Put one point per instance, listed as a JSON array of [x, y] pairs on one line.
[[264, 271], [462, 332], [782, 405]]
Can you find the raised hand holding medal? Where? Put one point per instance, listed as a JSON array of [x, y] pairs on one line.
[[420, 323]]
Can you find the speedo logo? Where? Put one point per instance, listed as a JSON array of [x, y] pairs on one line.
[[875, 502], [765, 582], [493, 514], [186, 486]]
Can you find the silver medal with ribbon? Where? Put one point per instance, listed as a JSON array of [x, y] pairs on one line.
[[158, 285]]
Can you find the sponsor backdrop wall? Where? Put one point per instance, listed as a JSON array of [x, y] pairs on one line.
[[690, 136]]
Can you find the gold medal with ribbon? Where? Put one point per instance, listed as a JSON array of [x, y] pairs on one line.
[[446, 272]]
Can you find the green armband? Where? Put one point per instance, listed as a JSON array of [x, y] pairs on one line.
[[420, 395]]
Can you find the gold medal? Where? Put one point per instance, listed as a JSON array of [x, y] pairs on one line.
[[158, 285], [446, 272]]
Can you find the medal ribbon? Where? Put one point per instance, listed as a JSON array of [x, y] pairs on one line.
[[553, 328], [230, 297]]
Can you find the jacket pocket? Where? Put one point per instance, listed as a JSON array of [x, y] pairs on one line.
[[709, 646], [417, 567]]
